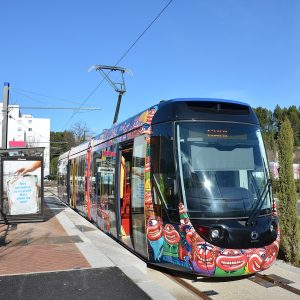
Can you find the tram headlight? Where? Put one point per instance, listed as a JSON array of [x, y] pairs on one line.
[[273, 228], [215, 233]]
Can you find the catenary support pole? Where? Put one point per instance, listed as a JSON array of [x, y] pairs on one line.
[[5, 115]]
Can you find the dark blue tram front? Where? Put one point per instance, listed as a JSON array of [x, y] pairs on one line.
[[213, 208]]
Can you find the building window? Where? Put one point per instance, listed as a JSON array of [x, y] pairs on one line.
[[19, 128], [29, 129], [29, 121]]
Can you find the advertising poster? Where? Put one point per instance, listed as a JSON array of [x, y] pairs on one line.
[[21, 187]]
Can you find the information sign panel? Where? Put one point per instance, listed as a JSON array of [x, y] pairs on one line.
[[21, 187]]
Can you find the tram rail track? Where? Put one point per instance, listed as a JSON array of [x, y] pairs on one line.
[[189, 287], [261, 279], [277, 282]]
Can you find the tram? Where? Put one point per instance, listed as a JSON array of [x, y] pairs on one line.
[[184, 184]]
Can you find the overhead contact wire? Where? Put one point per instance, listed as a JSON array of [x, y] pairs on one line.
[[120, 59]]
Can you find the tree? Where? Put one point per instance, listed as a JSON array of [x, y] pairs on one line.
[[53, 165], [280, 115], [80, 132], [289, 224], [60, 142], [294, 117], [266, 121], [265, 118]]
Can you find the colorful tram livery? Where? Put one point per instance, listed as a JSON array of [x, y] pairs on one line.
[[185, 184]]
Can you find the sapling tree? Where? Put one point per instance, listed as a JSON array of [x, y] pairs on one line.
[[287, 196]]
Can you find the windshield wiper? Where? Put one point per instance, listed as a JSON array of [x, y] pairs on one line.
[[260, 201], [254, 183], [161, 196]]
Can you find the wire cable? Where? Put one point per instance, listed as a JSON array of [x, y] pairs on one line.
[[140, 36], [30, 97], [42, 95], [119, 60]]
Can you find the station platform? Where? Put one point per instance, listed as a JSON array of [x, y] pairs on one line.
[[67, 257]]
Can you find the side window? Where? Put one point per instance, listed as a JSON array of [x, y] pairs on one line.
[[73, 182], [105, 186], [137, 194], [77, 178], [81, 183], [138, 169], [163, 166], [95, 186]]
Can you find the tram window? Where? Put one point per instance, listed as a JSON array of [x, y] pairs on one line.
[[164, 179], [222, 168], [93, 185], [77, 182], [95, 172], [138, 169], [137, 194], [80, 182], [104, 161], [73, 181], [221, 158]]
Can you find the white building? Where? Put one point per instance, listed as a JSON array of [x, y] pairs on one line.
[[27, 131]]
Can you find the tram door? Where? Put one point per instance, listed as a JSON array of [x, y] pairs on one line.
[[132, 168], [137, 195], [125, 193]]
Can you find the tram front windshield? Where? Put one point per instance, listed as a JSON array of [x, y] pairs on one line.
[[222, 169]]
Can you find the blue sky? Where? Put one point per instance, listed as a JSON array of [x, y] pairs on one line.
[[232, 49]]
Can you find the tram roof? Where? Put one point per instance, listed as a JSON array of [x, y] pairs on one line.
[[178, 109], [207, 100], [206, 109], [65, 155]]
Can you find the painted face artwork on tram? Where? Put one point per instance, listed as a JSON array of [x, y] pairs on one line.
[[155, 236], [183, 246]]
